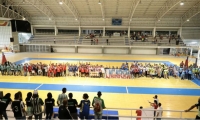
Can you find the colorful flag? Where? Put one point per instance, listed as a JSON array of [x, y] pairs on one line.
[[186, 63], [3, 58]]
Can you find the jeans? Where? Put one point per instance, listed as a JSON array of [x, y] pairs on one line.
[[49, 115], [5, 115], [39, 116], [97, 116]]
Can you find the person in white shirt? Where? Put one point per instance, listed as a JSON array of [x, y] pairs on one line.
[[159, 112], [156, 98]]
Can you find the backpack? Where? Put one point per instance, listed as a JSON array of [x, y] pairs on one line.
[[97, 107], [86, 107]]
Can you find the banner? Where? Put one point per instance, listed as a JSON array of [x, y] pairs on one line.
[[118, 73]]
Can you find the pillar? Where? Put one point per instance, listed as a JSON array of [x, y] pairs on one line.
[[32, 30], [180, 31], [191, 51], [76, 49], [154, 32], [104, 31], [129, 30], [79, 29], [56, 30]]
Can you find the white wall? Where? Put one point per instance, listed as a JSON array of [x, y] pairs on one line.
[[116, 51], [89, 50], [64, 49], [5, 35], [145, 51]]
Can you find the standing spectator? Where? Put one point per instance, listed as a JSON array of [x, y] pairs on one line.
[[159, 112], [98, 105], [62, 96], [49, 103], [155, 105], [20, 95], [72, 104], [7, 100], [3, 105], [190, 74], [63, 112], [18, 107], [198, 107], [29, 109], [139, 113], [84, 107], [107, 41], [54, 41], [37, 105], [97, 41], [156, 98]]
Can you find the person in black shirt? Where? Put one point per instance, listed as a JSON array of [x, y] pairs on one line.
[[197, 105], [7, 100], [29, 110], [49, 103], [72, 104], [18, 107], [63, 112], [2, 104]]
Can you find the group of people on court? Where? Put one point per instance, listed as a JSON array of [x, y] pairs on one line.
[[86, 69], [67, 106]]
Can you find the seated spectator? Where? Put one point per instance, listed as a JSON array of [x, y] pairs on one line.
[[84, 107], [72, 104], [63, 112]]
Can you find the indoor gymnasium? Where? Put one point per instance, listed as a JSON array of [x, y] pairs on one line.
[[100, 59]]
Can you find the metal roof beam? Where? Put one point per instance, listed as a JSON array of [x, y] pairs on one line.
[[7, 10], [134, 6], [42, 8], [169, 4], [102, 9], [191, 13], [72, 8]]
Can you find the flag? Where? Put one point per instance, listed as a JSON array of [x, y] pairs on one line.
[[186, 63], [3, 58]]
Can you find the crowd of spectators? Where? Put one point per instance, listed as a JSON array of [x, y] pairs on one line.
[[135, 70], [33, 105]]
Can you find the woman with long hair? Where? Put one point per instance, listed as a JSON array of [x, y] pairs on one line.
[[29, 109]]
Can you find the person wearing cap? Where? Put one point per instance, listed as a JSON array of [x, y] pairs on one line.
[[37, 105], [197, 105], [62, 96], [139, 113], [98, 104]]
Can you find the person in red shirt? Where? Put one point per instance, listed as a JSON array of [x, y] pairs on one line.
[[155, 105], [139, 113]]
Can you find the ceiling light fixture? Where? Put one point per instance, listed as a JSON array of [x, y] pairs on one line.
[[99, 2], [188, 20], [103, 19], [61, 2], [49, 18], [159, 20], [24, 18], [181, 3], [76, 19], [23, 1]]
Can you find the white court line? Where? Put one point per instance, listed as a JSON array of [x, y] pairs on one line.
[[38, 86], [126, 89]]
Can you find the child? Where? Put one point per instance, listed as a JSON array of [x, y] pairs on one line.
[[139, 113], [84, 107]]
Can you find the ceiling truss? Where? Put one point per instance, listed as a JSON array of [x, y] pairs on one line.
[[72, 8], [166, 8], [191, 13], [42, 8], [7, 10], [134, 6]]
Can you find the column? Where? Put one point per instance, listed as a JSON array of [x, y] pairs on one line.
[[154, 32], [180, 31], [104, 31], [191, 51], [76, 49], [32, 30], [56, 30], [129, 30], [79, 29]]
